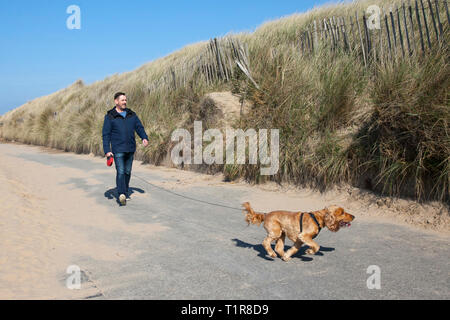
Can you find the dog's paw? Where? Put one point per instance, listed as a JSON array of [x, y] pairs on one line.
[[286, 258], [310, 251], [273, 255]]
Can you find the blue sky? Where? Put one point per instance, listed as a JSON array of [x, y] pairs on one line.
[[40, 55]]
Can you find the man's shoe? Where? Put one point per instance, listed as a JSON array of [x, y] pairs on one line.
[[123, 199]]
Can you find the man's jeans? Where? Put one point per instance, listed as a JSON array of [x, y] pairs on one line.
[[124, 162]]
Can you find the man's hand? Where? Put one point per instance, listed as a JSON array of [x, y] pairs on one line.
[[109, 154], [145, 142]]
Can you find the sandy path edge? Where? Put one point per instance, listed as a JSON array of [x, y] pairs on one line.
[[48, 224], [431, 216], [40, 227]]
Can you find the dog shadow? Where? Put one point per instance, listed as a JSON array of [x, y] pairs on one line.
[[113, 194], [263, 254]]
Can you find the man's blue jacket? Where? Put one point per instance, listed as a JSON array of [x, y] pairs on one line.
[[119, 131]]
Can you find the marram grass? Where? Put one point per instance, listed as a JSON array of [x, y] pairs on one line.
[[384, 127]]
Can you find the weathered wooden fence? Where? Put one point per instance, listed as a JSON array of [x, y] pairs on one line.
[[217, 63], [391, 34]]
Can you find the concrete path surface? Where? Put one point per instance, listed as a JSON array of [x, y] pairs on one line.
[[60, 210]]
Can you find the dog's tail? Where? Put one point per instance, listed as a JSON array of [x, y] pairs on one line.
[[252, 216]]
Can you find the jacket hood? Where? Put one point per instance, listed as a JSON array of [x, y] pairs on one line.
[[113, 112]]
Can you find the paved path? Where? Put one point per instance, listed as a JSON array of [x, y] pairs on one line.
[[201, 251]]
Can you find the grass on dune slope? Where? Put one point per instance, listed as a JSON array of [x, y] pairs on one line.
[[385, 127]]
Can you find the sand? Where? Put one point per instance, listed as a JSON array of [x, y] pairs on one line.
[[41, 217], [40, 221]]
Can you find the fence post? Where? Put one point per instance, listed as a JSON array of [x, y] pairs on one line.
[[333, 34], [426, 24], [302, 49], [393, 32], [420, 28], [222, 60], [336, 28], [441, 30], [204, 64], [352, 31], [321, 32], [214, 67], [406, 28], [329, 33], [430, 7], [344, 31], [413, 36], [446, 10], [361, 39], [219, 60], [310, 33], [366, 32], [230, 53], [308, 40], [388, 35], [382, 55], [174, 82], [400, 30], [316, 37]]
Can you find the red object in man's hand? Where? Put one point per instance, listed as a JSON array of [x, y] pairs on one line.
[[110, 161]]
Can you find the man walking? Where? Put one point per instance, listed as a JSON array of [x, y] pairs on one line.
[[119, 131]]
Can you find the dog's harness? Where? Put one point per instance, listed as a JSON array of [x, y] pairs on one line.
[[315, 220]]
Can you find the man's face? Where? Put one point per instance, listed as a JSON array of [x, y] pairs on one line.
[[121, 102]]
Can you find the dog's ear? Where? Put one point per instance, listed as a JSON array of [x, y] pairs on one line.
[[331, 221], [339, 211]]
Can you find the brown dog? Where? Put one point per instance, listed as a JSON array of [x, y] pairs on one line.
[[280, 224]]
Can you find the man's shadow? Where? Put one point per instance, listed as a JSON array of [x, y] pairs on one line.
[[263, 254], [113, 194]]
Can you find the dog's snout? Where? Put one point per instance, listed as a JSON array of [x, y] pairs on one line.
[[349, 217]]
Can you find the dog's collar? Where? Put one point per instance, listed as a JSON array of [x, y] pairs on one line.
[[315, 220]]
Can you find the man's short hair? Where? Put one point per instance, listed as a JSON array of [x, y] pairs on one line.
[[118, 94]]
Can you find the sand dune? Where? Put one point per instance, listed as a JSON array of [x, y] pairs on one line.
[[47, 223]]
